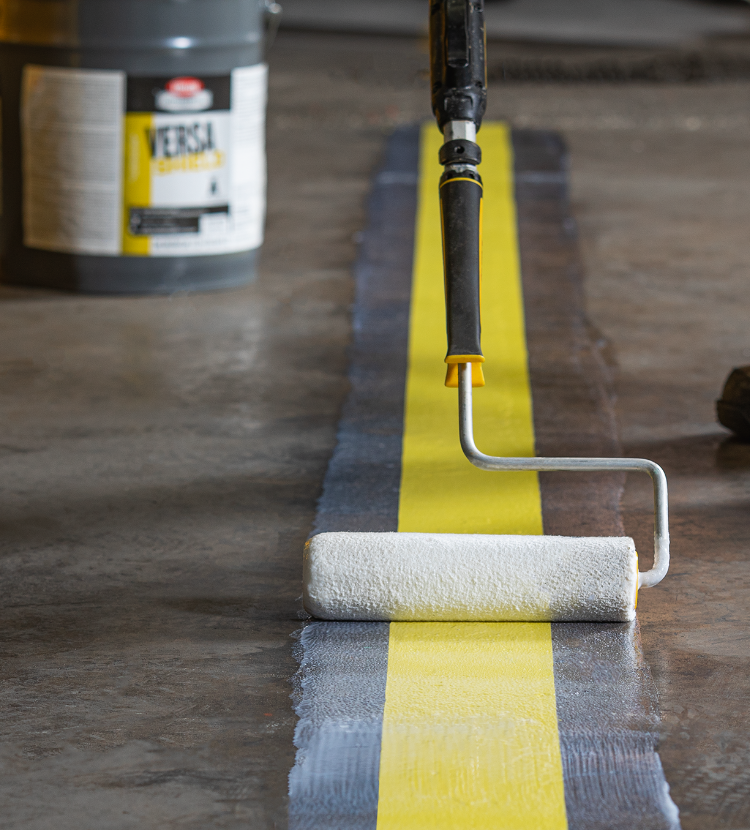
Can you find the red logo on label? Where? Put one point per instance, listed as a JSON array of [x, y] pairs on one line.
[[184, 87]]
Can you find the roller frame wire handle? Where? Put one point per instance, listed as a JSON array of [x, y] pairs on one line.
[[417, 576], [493, 463], [459, 95]]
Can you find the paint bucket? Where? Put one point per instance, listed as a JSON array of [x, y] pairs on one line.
[[133, 143]]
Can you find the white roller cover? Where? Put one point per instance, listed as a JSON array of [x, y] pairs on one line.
[[450, 576]]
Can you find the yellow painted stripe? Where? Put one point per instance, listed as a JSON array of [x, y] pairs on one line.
[[470, 739], [440, 491], [470, 736]]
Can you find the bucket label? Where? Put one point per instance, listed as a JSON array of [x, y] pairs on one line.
[[194, 179], [71, 122], [177, 162]]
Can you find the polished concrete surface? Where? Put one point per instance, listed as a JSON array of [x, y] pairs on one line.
[[161, 457]]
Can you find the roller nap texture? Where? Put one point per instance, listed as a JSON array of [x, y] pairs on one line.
[[450, 576]]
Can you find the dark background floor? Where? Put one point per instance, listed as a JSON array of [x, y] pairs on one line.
[[161, 457], [577, 22]]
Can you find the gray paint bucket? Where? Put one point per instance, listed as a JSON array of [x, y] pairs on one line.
[[133, 143]]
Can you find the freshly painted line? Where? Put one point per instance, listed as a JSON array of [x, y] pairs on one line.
[[361, 486], [470, 730], [470, 737], [440, 491], [608, 718], [339, 698]]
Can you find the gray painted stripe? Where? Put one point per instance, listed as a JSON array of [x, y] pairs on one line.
[[570, 383], [339, 696], [608, 718], [361, 487]]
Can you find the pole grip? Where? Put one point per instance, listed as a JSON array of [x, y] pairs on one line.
[[461, 215]]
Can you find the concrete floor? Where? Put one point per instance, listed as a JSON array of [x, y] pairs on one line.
[[601, 22], [161, 457]]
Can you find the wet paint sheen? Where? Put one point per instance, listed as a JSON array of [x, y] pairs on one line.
[[339, 694], [470, 729], [470, 738]]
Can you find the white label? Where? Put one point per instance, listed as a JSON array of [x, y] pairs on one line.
[[71, 121], [199, 185], [190, 179], [249, 86]]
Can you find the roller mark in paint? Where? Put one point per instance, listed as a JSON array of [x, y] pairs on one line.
[[339, 698], [470, 729], [608, 719]]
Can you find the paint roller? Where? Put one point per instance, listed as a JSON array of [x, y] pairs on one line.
[[464, 577]]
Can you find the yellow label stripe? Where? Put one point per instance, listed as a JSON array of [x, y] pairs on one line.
[[470, 738], [137, 177]]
